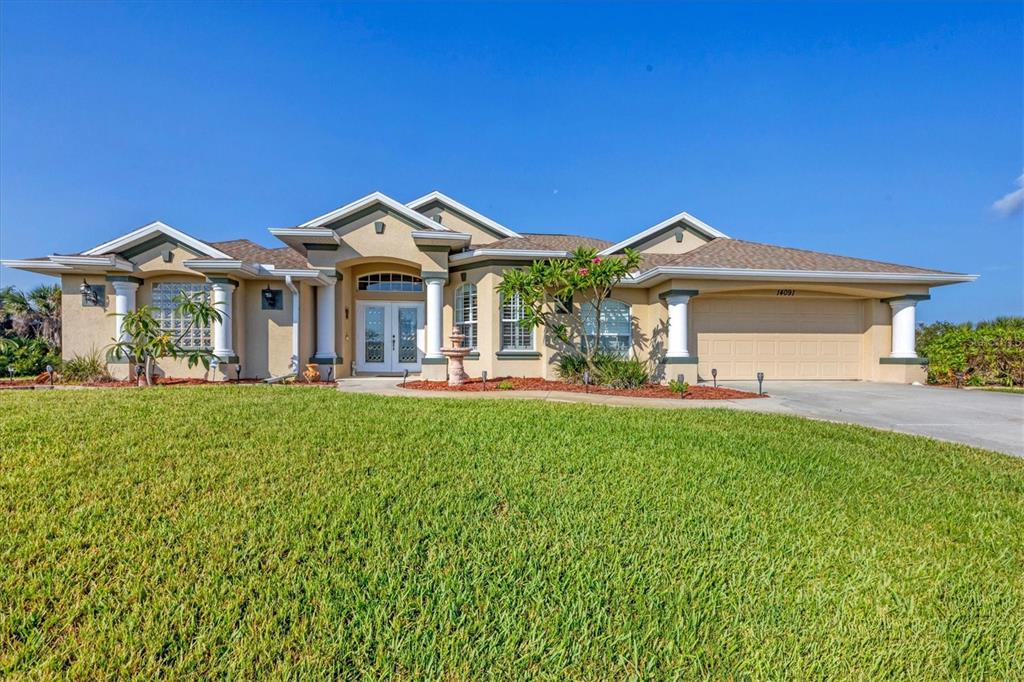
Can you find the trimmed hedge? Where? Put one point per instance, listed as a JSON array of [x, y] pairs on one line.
[[988, 353]]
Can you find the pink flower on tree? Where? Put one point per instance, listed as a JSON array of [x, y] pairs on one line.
[[583, 272], [596, 260]]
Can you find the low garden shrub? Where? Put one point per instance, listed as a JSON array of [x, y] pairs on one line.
[[988, 353], [677, 386], [84, 368], [26, 356], [610, 370]]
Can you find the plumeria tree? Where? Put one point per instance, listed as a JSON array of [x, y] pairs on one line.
[[559, 294], [144, 341]]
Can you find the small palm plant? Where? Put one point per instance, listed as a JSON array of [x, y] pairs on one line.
[[144, 341]]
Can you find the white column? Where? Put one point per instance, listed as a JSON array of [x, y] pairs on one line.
[[325, 321], [295, 322], [222, 345], [435, 300], [124, 302], [677, 326], [904, 323]]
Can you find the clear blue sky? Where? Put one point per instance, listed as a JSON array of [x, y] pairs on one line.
[[874, 130]]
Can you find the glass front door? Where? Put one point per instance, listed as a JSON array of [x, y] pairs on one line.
[[389, 336]]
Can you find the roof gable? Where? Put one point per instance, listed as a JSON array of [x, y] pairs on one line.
[[151, 234], [370, 203], [683, 218], [487, 224]]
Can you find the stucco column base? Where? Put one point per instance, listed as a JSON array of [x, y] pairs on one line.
[[434, 372], [903, 372]]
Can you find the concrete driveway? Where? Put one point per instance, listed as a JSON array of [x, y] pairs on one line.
[[986, 419]]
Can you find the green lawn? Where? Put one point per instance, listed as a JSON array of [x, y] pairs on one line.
[[264, 531], [1004, 389]]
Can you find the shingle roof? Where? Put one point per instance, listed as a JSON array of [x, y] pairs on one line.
[[736, 253], [251, 252], [546, 242]]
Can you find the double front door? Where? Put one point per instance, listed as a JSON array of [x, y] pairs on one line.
[[389, 336]]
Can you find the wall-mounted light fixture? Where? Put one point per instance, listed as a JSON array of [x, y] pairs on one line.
[[90, 294], [378, 227]]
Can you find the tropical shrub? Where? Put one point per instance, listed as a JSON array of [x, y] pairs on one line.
[[84, 368], [677, 386], [27, 357], [620, 373], [987, 353], [608, 370], [570, 367], [506, 385]]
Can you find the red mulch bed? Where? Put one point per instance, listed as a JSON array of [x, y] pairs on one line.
[[172, 381], [536, 384]]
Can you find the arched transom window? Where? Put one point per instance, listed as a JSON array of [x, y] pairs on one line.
[[389, 281], [616, 327]]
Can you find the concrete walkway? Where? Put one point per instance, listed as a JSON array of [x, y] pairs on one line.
[[994, 421]]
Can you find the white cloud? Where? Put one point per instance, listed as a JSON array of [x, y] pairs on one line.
[[1012, 202]]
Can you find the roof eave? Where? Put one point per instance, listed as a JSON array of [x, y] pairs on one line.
[[652, 276]]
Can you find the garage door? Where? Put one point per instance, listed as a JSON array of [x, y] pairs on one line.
[[786, 338]]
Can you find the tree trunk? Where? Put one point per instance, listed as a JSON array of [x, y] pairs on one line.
[[149, 370]]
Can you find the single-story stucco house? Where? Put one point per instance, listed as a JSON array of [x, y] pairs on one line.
[[376, 286]]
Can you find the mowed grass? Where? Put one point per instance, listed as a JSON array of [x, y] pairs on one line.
[[253, 532]]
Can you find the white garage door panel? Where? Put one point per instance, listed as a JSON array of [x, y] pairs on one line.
[[785, 339]]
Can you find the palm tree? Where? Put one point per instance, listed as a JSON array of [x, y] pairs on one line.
[[45, 301], [35, 314]]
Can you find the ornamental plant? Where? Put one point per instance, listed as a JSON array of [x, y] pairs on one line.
[[148, 342], [554, 294]]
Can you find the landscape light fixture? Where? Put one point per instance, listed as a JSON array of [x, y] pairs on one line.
[[405, 375], [138, 373], [714, 376], [959, 379], [483, 377], [49, 370], [760, 380], [330, 372], [238, 372], [681, 379], [586, 380], [10, 372]]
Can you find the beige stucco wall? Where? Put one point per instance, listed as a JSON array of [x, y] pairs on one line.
[[667, 242], [151, 262], [268, 333], [360, 243], [85, 329], [460, 223]]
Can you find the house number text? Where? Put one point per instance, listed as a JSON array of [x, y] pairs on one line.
[[786, 292]]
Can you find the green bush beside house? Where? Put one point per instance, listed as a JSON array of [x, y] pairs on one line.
[[987, 353]]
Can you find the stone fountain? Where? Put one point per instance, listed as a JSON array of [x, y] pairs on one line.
[[456, 356]]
